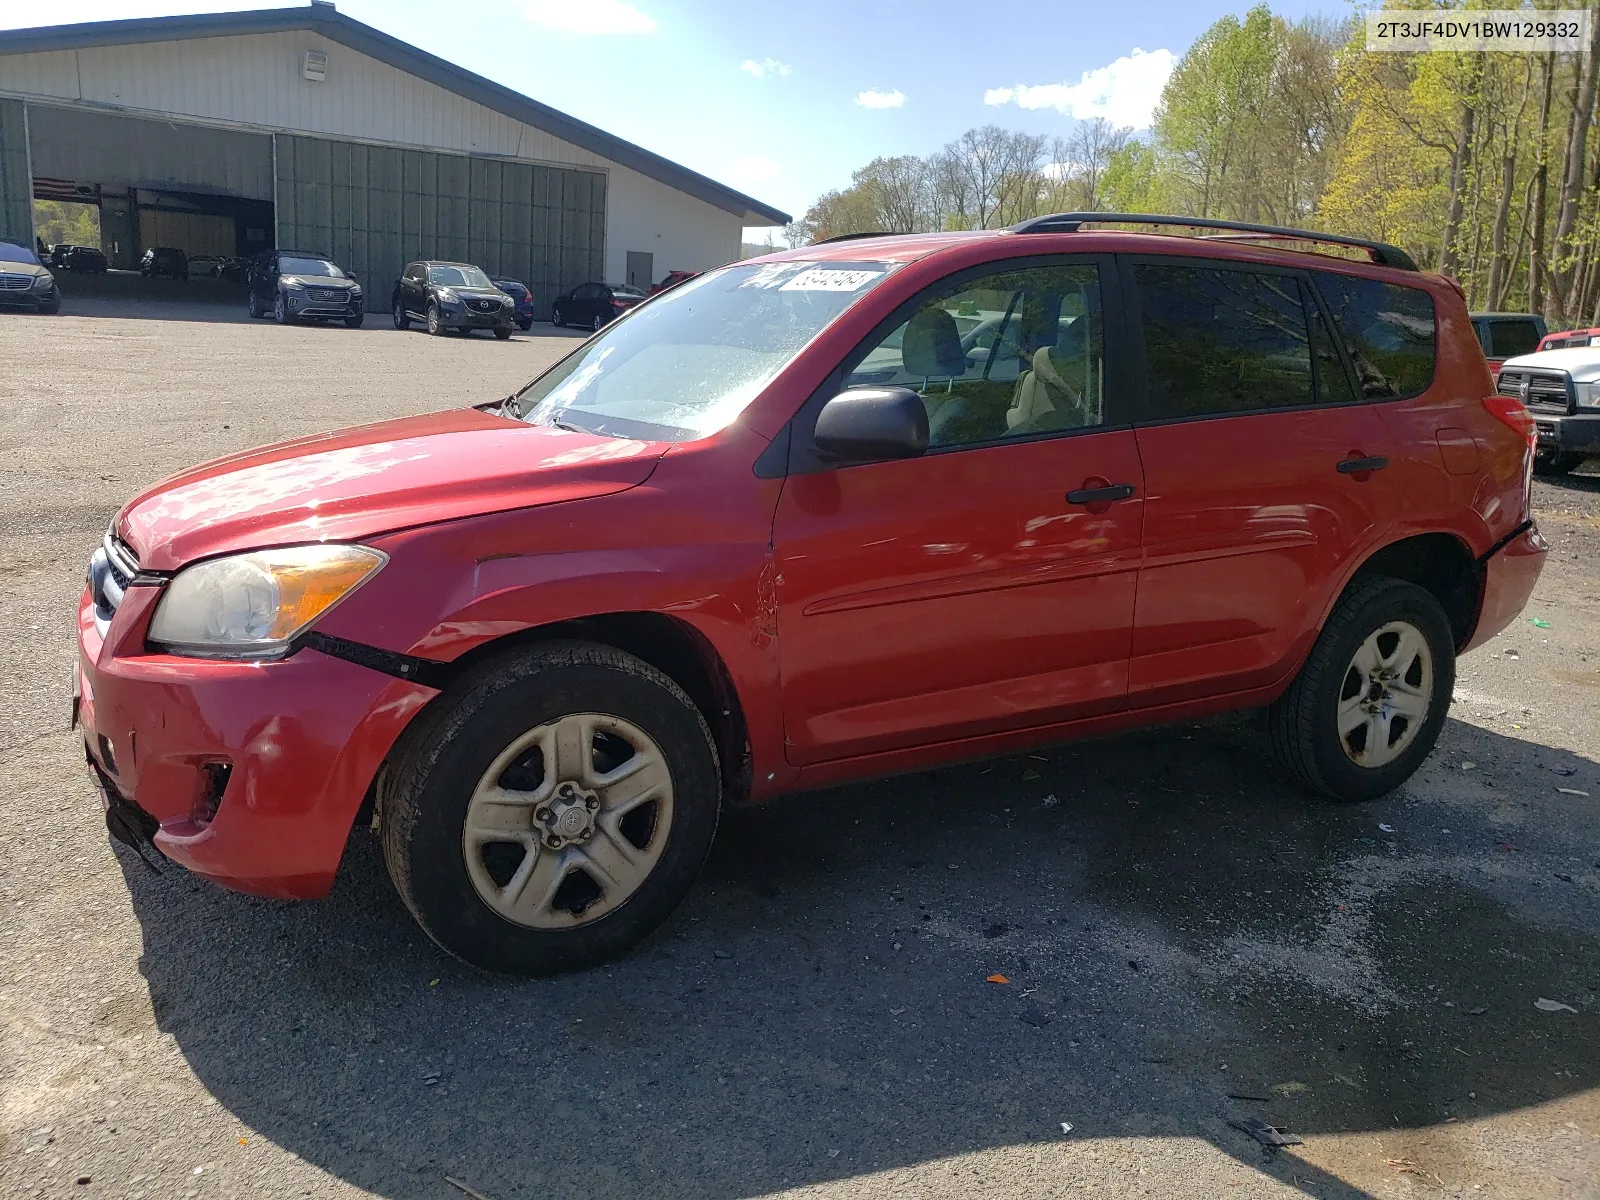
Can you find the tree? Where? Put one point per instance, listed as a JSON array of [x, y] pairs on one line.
[[1081, 161]]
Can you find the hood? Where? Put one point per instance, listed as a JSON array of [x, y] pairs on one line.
[[356, 483], [473, 293], [1581, 362], [7, 267], [321, 281]]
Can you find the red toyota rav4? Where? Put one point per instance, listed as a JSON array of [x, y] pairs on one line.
[[858, 508]]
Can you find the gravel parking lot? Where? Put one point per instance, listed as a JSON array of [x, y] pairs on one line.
[[1188, 939]]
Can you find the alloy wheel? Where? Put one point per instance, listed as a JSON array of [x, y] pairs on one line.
[[568, 821], [1384, 699]]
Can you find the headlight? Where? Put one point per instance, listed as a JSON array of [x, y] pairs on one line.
[[1589, 394], [44, 283], [252, 605]]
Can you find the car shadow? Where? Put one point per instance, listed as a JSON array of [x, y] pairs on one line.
[[1178, 930]]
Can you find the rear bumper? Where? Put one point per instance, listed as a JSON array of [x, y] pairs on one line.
[[1573, 434], [1509, 576], [302, 740]]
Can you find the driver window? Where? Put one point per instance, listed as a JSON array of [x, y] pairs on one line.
[[1012, 354]]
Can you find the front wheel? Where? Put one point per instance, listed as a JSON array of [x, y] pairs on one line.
[[525, 325], [51, 307], [252, 305], [502, 332], [353, 321], [280, 310], [435, 322], [552, 809], [1370, 701], [556, 318]]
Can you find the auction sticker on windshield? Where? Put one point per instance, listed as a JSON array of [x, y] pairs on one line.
[[830, 279]]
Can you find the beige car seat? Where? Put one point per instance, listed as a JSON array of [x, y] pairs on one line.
[[1045, 400]]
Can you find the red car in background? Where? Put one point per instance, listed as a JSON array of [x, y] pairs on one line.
[[1567, 339], [854, 509], [673, 279]]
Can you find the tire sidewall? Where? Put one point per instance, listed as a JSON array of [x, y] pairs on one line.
[[459, 747], [435, 321], [280, 310], [1403, 602]]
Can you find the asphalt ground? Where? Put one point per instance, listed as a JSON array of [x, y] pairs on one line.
[[1179, 926]]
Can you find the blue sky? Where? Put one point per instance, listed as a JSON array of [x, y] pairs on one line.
[[783, 101]]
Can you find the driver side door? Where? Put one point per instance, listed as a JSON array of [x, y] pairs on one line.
[[987, 585]]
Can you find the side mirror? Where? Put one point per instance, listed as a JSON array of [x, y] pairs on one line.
[[866, 424]]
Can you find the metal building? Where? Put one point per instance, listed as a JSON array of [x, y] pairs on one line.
[[230, 133]]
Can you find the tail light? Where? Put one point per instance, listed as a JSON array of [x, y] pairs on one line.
[[1513, 414], [619, 305]]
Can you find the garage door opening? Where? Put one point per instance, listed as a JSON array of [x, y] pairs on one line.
[[124, 185]]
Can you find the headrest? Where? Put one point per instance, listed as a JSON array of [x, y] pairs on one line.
[[931, 347]]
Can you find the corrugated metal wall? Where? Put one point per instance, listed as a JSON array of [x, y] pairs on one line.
[[16, 185], [375, 208]]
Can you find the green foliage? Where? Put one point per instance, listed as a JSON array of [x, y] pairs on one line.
[[57, 221]]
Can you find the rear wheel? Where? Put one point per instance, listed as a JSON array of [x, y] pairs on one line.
[[401, 321], [552, 810], [1368, 704], [598, 324], [1556, 464]]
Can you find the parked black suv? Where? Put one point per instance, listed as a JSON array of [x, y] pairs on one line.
[[164, 260], [81, 260], [449, 295], [295, 285]]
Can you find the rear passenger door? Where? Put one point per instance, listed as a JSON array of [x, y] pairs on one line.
[[1265, 473]]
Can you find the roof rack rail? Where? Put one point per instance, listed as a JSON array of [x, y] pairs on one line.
[[1382, 253], [850, 237]]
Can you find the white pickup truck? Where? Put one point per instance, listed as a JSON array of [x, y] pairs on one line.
[[1561, 388]]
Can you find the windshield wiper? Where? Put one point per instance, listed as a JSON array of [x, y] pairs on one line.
[[569, 427]]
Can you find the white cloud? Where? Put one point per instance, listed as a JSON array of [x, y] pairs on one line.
[[1125, 92], [873, 98], [764, 67], [589, 16]]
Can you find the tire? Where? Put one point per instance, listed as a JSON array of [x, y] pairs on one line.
[[447, 879], [525, 325], [401, 321], [354, 320], [435, 323], [51, 308], [280, 310], [556, 318], [1305, 722], [252, 305], [1556, 464], [502, 332], [598, 324]]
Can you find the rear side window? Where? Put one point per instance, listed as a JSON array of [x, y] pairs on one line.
[[1512, 338], [1220, 341], [1390, 333]]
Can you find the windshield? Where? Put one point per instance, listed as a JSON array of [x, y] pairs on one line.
[[686, 364], [627, 289], [21, 254], [309, 266], [470, 277]]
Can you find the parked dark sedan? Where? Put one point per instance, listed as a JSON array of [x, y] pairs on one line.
[[295, 285], [164, 260], [24, 281], [521, 297], [450, 296], [81, 260], [591, 305]]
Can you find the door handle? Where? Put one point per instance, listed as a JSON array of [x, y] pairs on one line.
[[1354, 466], [1101, 495]]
